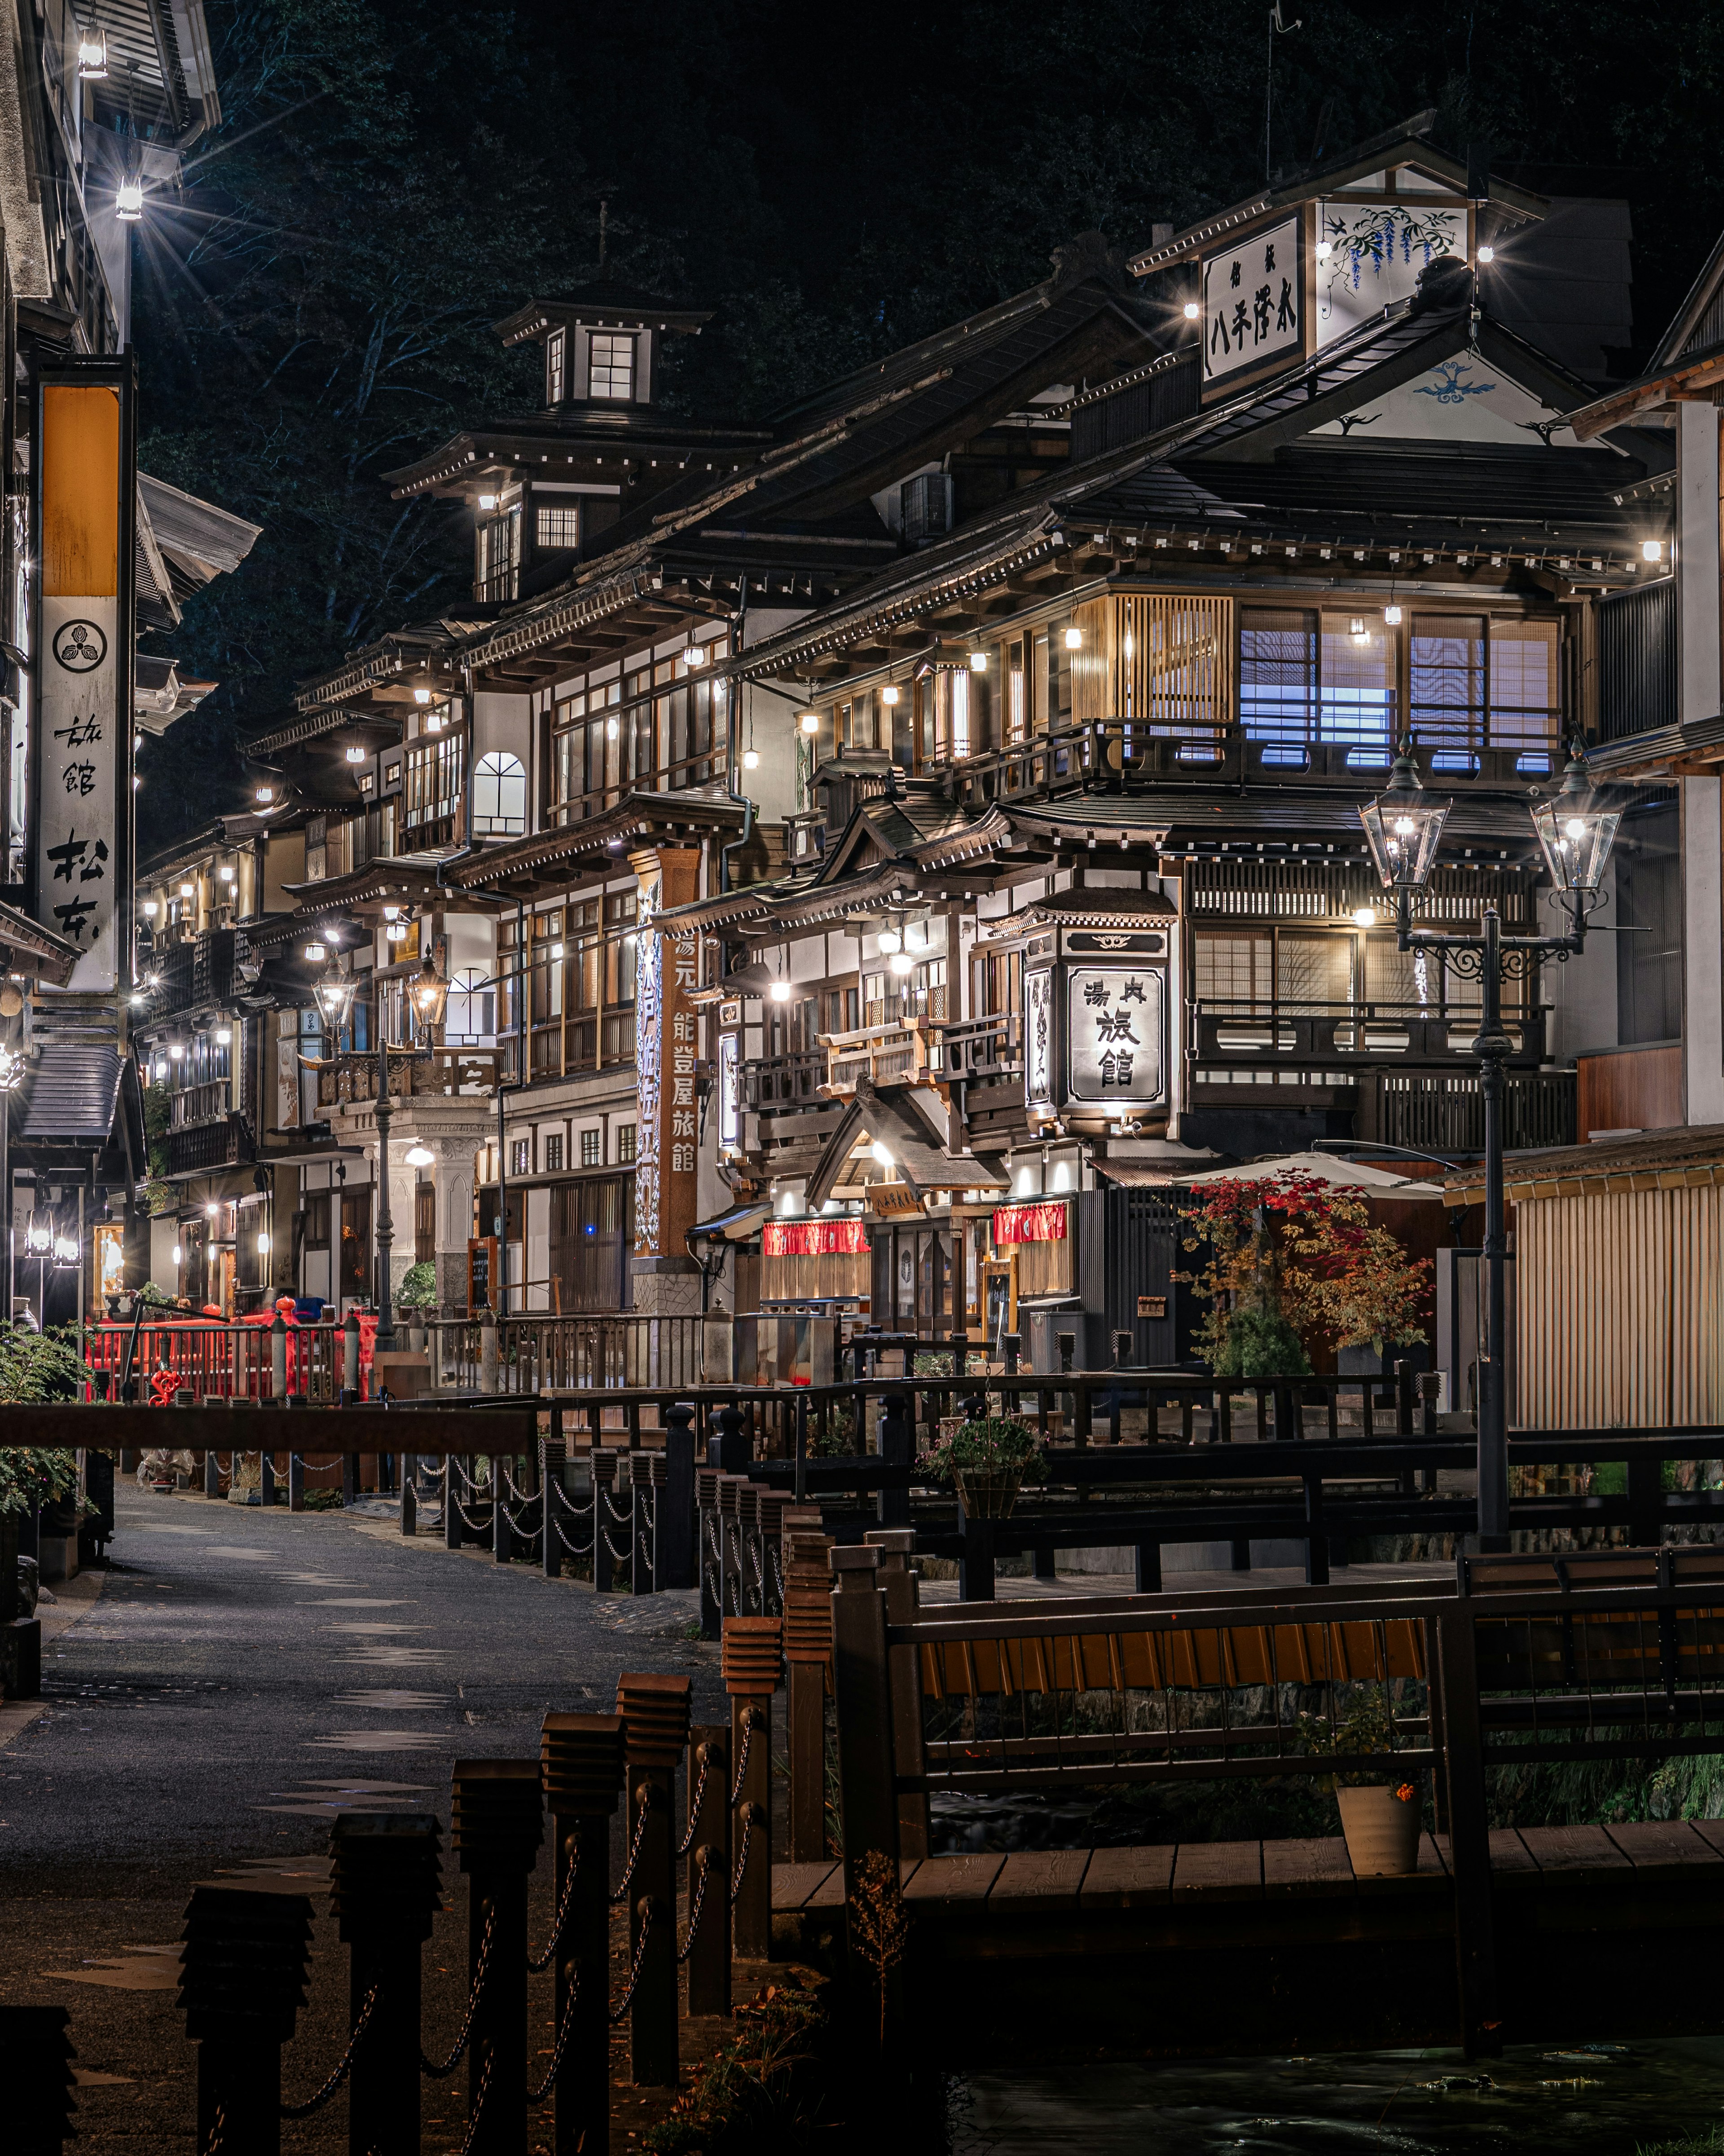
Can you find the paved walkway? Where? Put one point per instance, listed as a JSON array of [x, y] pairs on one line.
[[240, 1676]]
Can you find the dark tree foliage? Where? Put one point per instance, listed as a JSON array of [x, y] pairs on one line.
[[391, 177]]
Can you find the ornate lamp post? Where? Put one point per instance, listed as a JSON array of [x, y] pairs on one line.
[[1576, 829]]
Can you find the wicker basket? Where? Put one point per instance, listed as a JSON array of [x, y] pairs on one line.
[[989, 1493]]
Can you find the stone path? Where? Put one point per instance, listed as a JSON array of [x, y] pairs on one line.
[[240, 1677]]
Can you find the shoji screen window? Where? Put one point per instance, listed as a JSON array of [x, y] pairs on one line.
[[1278, 680], [1525, 703], [1356, 685], [1447, 685]]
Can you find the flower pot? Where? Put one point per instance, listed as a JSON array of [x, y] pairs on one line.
[[989, 1493], [1382, 1829]]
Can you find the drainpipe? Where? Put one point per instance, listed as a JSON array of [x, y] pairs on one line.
[[731, 791]]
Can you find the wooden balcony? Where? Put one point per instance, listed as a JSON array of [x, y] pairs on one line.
[[780, 1085], [208, 1103], [904, 1052], [353, 1077], [197, 1148]]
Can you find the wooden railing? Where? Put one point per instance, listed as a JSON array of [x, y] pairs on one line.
[[199, 1104], [903, 1052], [574, 1352]]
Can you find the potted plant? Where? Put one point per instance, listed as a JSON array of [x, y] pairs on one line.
[[988, 1459], [1381, 1813], [416, 1300]]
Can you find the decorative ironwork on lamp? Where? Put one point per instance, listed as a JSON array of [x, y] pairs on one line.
[[430, 994], [1576, 827], [334, 991], [1404, 826]]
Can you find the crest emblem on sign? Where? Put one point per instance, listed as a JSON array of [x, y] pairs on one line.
[[80, 646]]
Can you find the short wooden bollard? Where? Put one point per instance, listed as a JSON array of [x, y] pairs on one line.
[[295, 1482], [383, 1894], [498, 1827], [655, 1714], [266, 1478], [752, 1658], [708, 1836], [490, 1366], [36, 2058], [242, 1984], [409, 1494], [807, 1649], [861, 1688], [350, 1360], [502, 1534], [211, 1475], [452, 1471], [581, 1765]]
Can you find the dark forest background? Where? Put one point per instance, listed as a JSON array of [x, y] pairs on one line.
[[391, 177]]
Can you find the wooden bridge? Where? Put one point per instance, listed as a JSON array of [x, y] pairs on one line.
[[1548, 1933]]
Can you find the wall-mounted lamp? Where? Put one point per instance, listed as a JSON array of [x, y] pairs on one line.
[[1073, 639], [810, 722]]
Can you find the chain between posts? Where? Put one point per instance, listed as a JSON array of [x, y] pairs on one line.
[[537, 1968], [743, 1760], [648, 1909], [453, 2060], [634, 1854], [748, 1813], [694, 1802], [537, 2095], [478, 2112], [339, 2073], [706, 1872]]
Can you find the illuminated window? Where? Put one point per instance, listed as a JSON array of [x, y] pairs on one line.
[[625, 1143], [612, 374], [592, 1150], [553, 1153], [521, 1157], [553, 367], [559, 529], [499, 795]]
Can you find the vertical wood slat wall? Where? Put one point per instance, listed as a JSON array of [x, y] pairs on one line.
[[1620, 1296], [1164, 659]]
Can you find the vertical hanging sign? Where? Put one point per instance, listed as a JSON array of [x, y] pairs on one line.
[[667, 968], [81, 741]]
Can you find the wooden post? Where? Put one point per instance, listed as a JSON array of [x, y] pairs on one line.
[[409, 1494], [451, 1508], [266, 1478], [490, 1368], [902, 1589], [674, 1543], [498, 1827], [581, 1760], [242, 1980], [36, 2072], [295, 1482], [862, 1686], [709, 1550], [807, 1649], [604, 1476], [211, 1475], [708, 1840], [752, 1658], [383, 1894], [1316, 1539], [552, 1453], [975, 1565], [897, 1447], [350, 1360], [1469, 1835], [502, 1534], [655, 1716]]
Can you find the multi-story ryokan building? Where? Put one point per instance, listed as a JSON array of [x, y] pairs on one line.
[[899, 839]]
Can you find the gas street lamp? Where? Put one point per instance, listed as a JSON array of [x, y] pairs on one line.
[[1576, 829]]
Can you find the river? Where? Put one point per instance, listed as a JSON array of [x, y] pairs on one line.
[[1595, 2100]]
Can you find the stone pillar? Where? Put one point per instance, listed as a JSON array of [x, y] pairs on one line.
[[667, 1282]]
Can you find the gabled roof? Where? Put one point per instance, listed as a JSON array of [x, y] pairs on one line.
[[891, 1115], [1407, 144]]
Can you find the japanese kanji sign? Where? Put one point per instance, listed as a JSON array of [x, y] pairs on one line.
[[1254, 303], [1114, 1017], [81, 738], [666, 1027]]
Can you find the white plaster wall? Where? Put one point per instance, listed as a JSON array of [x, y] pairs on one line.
[[1581, 991], [538, 1250], [503, 722]]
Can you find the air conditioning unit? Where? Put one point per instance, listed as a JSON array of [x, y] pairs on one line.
[[925, 507]]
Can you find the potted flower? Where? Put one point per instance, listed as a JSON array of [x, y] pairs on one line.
[[1381, 1813], [988, 1459]]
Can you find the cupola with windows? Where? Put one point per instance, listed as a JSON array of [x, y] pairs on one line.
[[601, 344]]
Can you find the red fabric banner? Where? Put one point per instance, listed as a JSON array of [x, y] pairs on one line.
[[1030, 1223], [814, 1238]]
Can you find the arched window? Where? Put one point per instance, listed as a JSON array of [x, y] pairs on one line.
[[500, 796], [469, 1014]]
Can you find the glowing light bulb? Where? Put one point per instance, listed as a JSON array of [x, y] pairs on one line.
[[422, 695], [979, 662], [487, 501], [264, 796], [1325, 248], [810, 722], [224, 1036], [129, 201], [1364, 916], [1404, 827], [881, 1152], [263, 1245], [176, 1256], [780, 992], [1190, 310], [889, 694], [1575, 827], [1073, 639], [891, 940], [1652, 549], [751, 759], [1487, 255], [902, 963], [356, 755], [1391, 615]]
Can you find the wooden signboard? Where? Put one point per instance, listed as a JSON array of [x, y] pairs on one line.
[[481, 1272]]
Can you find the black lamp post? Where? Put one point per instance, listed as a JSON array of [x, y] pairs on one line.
[[1576, 829]]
